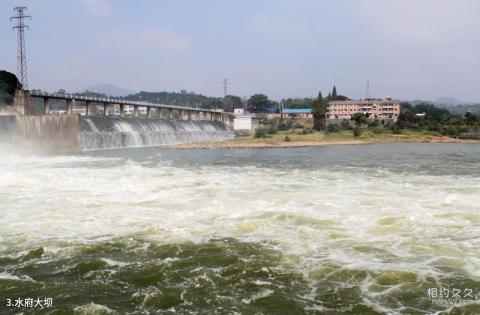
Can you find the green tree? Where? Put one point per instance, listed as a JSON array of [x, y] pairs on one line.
[[298, 103], [334, 96], [259, 103], [92, 94], [319, 109], [215, 103], [357, 132], [470, 118], [232, 101], [407, 118], [182, 98], [342, 98], [431, 112], [334, 93], [345, 124], [8, 84], [359, 119]]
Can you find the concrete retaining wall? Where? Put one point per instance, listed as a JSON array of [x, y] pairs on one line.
[[8, 125], [472, 135], [49, 133]]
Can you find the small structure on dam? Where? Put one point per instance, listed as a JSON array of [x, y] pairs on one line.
[[109, 127]]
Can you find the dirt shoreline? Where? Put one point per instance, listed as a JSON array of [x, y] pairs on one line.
[[256, 144]]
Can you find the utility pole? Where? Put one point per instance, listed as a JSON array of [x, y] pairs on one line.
[[225, 87], [21, 49], [281, 108], [368, 90], [225, 92]]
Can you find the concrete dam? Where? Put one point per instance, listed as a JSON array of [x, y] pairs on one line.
[[72, 132]]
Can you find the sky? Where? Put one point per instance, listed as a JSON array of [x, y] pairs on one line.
[[407, 49]]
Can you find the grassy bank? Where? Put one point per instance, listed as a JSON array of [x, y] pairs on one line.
[[297, 139]]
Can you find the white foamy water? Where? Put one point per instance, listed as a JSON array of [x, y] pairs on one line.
[[116, 132], [355, 216]]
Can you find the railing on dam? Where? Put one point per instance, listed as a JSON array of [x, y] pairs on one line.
[[160, 110], [67, 97]]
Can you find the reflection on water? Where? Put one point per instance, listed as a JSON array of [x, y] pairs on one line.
[[354, 229]]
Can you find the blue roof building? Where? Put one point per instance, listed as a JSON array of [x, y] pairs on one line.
[[297, 112]]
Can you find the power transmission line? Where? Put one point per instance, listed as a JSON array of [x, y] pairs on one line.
[[225, 87], [21, 49], [225, 92], [368, 90]]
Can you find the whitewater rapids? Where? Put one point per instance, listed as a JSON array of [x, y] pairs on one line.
[[353, 229]]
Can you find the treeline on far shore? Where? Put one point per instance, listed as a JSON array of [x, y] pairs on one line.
[[431, 118], [419, 118]]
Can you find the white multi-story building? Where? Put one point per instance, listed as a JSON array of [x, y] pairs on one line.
[[387, 109]]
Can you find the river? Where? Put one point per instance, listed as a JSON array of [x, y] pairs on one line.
[[349, 229]]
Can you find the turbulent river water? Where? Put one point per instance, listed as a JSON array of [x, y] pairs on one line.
[[366, 229]]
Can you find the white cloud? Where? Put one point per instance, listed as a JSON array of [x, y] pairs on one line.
[[427, 21], [163, 40], [280, 29], [147, 39], [100, 8], [420, 49]]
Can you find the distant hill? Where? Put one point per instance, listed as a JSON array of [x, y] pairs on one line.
[[456, 106], [416, 102], [182, 98], [442, 101], [449, 101], [462, 109], [453, 105], [110, 90]]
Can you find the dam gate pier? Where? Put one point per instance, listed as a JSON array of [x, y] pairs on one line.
[[116, 107]]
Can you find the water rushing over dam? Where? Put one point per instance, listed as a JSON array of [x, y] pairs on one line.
[[72, 133], [117, 132]]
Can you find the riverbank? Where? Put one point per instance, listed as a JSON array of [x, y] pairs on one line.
[[289, 139]]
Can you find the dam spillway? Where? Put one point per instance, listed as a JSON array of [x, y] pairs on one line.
[[73, 133], [119, 132]]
